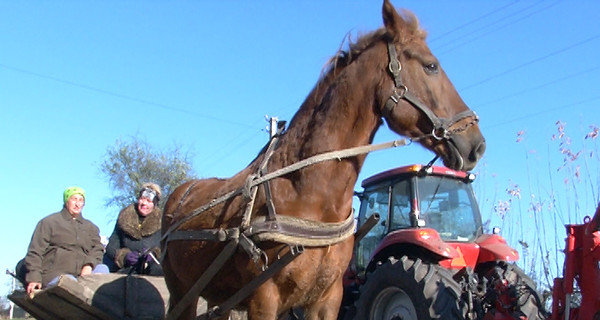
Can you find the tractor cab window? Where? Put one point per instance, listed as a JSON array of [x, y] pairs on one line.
[[400, 218], [375, 200], [448, 206]]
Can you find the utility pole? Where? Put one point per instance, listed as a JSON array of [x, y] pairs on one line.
[[12, 304], [14, 283], [273, 126]]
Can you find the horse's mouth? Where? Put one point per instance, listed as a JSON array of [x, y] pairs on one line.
[[457, 156], [453, 159]]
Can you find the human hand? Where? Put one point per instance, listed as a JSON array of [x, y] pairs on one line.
[[87, 269], [32, 286], [131, 258], [146, 255]]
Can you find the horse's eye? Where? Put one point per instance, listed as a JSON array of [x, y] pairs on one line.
[[431, 68]]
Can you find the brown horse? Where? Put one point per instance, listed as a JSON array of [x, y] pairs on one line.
[[389, 74]]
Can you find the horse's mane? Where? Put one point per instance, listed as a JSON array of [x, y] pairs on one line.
[[343, 58]]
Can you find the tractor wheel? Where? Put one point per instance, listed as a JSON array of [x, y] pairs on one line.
[[409, 289], [518, 298]]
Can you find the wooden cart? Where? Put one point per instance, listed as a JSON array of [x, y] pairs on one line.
[[100, 296]]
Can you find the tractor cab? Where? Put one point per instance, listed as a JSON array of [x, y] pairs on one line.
[[418, 204], [420, 241]]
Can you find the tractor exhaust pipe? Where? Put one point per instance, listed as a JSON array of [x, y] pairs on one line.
[[365, 228]]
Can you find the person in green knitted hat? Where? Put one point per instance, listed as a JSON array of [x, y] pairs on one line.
[[63, 243], [71, 191]]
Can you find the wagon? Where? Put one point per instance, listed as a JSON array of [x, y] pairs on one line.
[[101, 296], [278, 235]]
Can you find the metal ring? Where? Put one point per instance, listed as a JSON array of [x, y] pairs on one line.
[[404, 90], [392, 66], [444, 133], [265, 265]]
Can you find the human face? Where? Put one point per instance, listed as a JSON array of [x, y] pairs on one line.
[[75, 204], [145, 206]]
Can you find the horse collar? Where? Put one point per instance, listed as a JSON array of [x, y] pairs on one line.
[[441, 126]]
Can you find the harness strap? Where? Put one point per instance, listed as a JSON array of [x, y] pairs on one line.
[[269, 200], [441, 126], [254, 251], [262, 170], [185, 195], [218, 235], [240, 295], [203, 281], [249, 288], [251, 197], [339, 154], [297, 231], [199, 210]]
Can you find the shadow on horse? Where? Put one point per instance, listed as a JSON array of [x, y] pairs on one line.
[[306, 213]]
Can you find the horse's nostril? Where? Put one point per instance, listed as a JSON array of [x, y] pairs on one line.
[[478, 151]]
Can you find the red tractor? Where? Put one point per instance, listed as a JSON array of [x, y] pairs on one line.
[[421, 253], [582, 271]]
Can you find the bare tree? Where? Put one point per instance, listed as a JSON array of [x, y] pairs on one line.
[[129, 164]]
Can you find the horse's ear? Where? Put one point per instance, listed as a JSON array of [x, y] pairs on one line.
[[392, 21]]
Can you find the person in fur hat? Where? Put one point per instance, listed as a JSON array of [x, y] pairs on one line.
[[134, 244]]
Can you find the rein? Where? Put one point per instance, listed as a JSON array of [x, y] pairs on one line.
[[301, 231], [254, 181], [441, 126], [441, 131], [293, 231]]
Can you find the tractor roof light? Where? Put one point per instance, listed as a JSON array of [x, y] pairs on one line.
[[426, 234]]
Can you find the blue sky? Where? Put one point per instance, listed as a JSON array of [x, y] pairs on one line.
[[75, 76]]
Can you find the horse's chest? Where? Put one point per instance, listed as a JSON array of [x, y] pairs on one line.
[[314, 277]]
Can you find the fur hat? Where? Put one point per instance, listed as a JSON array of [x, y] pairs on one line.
[[151, 191]]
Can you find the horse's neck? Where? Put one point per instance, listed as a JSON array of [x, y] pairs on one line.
[[342, 118]]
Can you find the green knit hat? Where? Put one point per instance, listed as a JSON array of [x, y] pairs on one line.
[[71, 191]]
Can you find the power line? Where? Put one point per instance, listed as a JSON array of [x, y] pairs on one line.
[[445, 34], [531, 115], [223, 153], [528, 90], [512, 17], [535, 60], [123, 96], [521, 65]]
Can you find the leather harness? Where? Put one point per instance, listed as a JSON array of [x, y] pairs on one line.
[[441, 126], [293, 231]]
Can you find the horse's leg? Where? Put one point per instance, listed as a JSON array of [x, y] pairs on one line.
[[327, 307], [264, 303], [225, 315], [176, 293], [189, 312]]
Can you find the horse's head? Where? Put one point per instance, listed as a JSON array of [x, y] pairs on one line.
[[422, 100]]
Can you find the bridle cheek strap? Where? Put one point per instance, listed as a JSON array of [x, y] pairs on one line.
[[441, 126]]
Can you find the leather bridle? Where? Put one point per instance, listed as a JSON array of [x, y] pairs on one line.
[[441, 126]]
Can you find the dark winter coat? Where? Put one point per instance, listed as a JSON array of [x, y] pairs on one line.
[[62, 244], [132, 233]]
